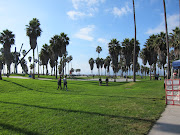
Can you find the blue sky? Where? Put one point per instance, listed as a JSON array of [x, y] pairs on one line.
[[88, 23]]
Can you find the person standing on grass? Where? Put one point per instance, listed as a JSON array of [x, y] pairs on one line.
[[59, 83], [65, 82]]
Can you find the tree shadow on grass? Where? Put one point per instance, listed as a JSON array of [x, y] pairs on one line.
[[80, 111], [18, 84], [19, 130]]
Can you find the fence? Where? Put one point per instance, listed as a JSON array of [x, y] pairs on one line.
[[172, 87]]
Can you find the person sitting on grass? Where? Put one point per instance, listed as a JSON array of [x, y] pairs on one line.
[[65, 82], [100, 82], [59, 83], [107, 80]]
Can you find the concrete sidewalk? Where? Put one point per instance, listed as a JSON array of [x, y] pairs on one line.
[[169, 122]]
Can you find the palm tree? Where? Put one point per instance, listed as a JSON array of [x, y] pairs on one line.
[[108, 63], [44, 57], [175, 42], [98, 60], [69, 59], [151, 52], [160, 47], [134, 54], [114, 51], [127, 50], [91, 63], [143, 56], [33, 31], [24, 66], [56, 48], [98, 50], [167, 43], [101, 64], [7, 39]]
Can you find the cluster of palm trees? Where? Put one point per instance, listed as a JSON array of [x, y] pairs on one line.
[[120, 56], [155, 50], [51, 53]]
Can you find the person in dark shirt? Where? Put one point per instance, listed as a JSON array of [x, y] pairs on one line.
[[59, 83]]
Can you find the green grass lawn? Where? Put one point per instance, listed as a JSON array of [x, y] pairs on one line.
[[37, 107]]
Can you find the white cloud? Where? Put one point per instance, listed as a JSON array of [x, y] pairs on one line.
[[85, 33], [122, 11], [102, 41], [87, 3], [172, 22], [74, 14], [84, 8]]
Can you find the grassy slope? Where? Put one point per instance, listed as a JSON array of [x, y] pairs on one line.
[[36, 107]]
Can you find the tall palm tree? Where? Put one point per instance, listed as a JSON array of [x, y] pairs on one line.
[[160, 47], [127, 50], [33, 31], [98, 50], [91, 63], [134, 53], [114, 51], [151, 52], [167, 43], [7, 39], [56, 48]]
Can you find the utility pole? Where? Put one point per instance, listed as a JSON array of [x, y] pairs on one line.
[[134, 54], [167, 43]]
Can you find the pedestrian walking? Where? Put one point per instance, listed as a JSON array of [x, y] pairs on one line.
[[65, 82], [59, 83]]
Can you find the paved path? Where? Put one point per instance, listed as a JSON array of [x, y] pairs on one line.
[[169, 122], [21, 77]]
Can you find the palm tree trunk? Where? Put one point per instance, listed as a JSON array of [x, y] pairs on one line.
[[68, 68], [46, 69], [150, 72], [56, 69], [43, 69], [167, 43], [33, 65], [134, 54], [0, 75]]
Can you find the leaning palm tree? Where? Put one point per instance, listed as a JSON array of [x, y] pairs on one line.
[[7, 39], [98, 50], [33, 31]]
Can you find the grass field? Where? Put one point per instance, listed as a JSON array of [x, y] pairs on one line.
[[37, 107]]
